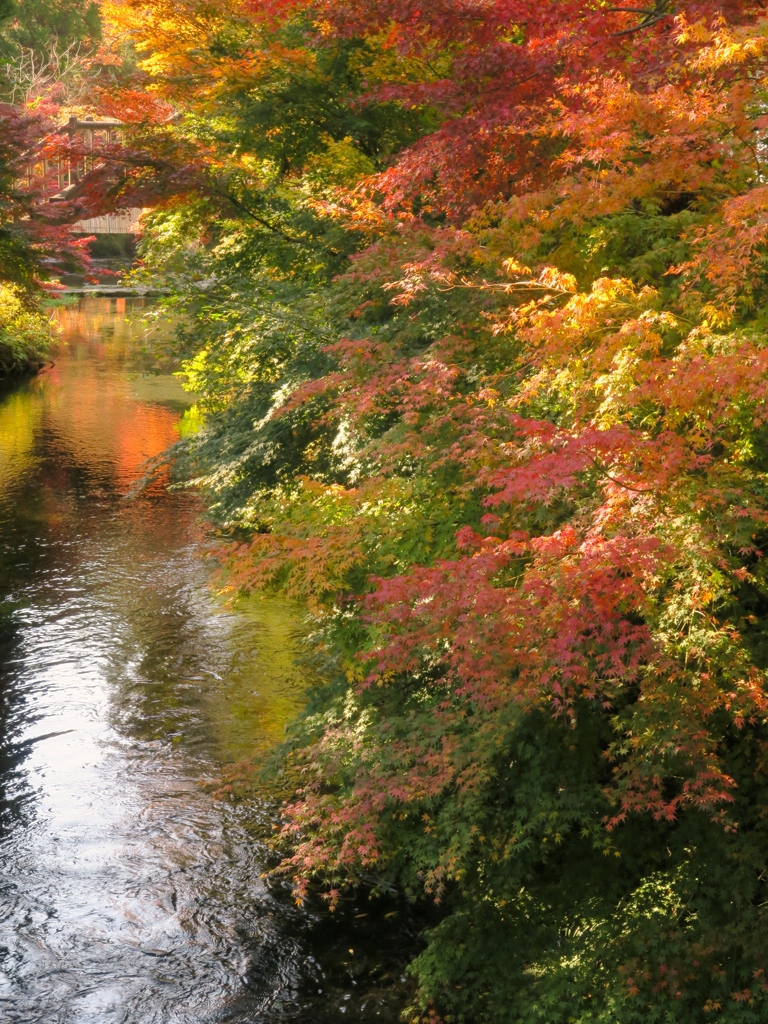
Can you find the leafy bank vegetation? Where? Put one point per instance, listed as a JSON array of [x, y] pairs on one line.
[[24, 334], [473, 294]]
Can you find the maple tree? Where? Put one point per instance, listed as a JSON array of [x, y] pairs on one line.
[[35, 237], [473, 295]]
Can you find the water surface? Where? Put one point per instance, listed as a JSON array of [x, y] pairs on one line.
[[127, 892]]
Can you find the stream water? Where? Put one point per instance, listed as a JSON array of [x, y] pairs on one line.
[[127, 892]]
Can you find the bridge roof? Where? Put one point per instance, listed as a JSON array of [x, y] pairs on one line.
[[75, 123]]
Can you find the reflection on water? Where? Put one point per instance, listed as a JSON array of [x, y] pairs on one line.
[[127, 893]]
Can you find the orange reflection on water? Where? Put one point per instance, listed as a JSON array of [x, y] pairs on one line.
[[106, 431], [90, 394]]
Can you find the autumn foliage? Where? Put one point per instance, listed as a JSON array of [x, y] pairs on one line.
[[474, 296]]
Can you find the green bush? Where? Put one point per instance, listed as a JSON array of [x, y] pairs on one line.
[[25, 334]]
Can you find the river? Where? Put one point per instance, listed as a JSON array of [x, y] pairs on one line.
[[128, 892]]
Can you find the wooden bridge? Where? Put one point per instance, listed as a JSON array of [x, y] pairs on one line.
[[93, 131]]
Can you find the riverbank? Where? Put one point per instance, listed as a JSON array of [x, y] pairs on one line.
[[25, 335]]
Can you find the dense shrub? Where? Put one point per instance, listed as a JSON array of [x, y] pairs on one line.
[[25, 333]]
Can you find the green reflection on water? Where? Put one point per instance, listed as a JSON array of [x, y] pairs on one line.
[[20, 418], [263, 690]]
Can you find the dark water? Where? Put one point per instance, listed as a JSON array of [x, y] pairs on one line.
[[127, 892]]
